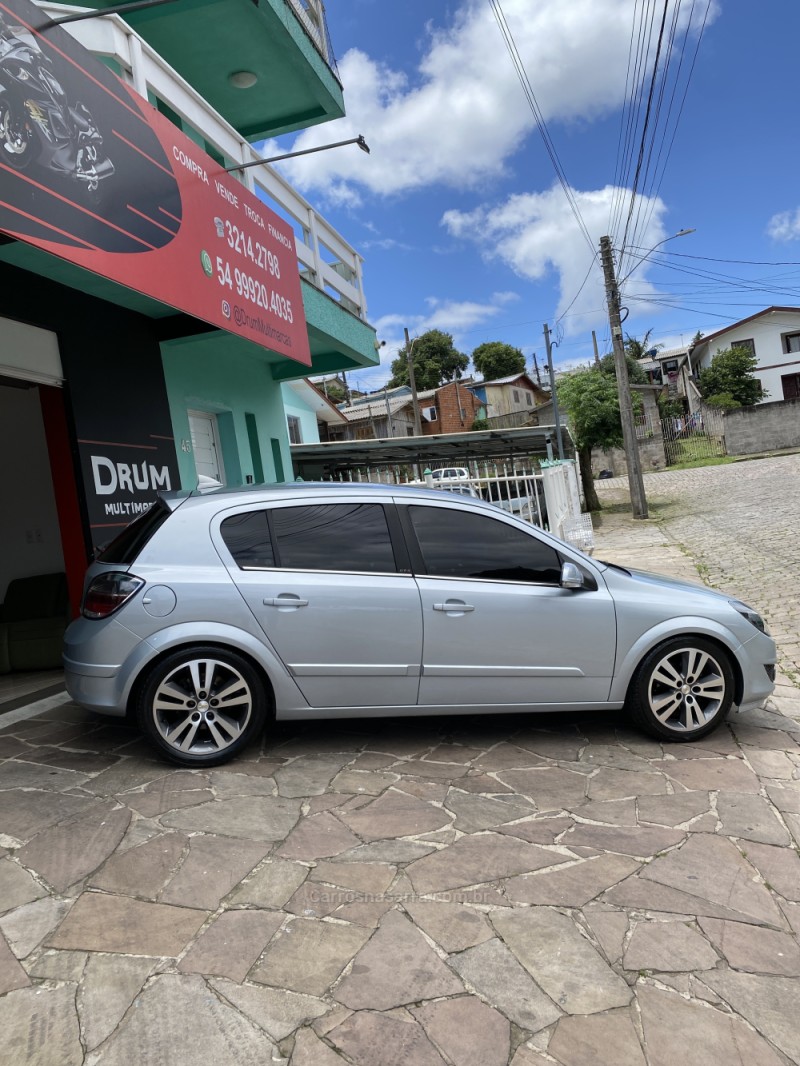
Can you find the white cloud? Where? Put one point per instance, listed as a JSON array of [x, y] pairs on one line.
[[535, 234], [458, 117], [785, 226]]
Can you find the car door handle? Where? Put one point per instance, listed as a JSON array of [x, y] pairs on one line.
[[286, 600], [454, 605]]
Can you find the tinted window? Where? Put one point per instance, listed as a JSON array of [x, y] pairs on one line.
[[460, 544], [342, 536], [247, 538], [130, 542]]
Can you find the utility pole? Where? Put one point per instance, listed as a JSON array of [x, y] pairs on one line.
[[553, 393], [635, 479], [596, 352], [536, 371], [413, 384]]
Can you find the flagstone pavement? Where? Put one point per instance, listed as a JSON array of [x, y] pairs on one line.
[[436, 892]]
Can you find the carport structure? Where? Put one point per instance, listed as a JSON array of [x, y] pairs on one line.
[[338, 459]]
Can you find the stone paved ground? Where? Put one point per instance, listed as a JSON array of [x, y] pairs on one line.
[[447, 891]]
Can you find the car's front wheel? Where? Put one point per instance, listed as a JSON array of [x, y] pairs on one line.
[[201, 706], [682, 690]]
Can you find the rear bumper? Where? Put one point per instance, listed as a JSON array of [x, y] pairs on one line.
[[95, 692]]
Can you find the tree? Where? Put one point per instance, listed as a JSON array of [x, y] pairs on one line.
[[636, 375], [436, 361], [334, 390], [591, 401], [731, 372], [638, 349], [494, 359]]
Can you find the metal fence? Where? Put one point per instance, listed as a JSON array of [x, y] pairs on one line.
[[700, 435], [546, 494]]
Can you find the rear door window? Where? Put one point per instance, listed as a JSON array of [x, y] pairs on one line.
[[338, 536]]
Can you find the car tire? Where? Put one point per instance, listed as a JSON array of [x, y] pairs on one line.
[[201, 706], [682, 689]]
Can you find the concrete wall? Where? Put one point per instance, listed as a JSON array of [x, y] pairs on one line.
[[651, 455], [293, 405], [763, 428], [230, 385]]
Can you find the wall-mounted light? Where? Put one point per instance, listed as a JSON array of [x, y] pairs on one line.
[[243, 79]]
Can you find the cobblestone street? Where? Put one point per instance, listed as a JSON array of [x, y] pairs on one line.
[[552, 891]]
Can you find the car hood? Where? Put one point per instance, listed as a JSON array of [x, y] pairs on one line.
[[618, 576]]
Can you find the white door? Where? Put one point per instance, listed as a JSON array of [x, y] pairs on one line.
[[205, 445]]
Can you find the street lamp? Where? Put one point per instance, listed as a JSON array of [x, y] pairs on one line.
[[632, 457], [359, 140], [641, 258]]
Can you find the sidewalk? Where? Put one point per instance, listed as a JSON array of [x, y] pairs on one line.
[[642, 545]]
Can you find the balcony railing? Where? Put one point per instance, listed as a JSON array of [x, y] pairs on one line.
[[311, 14], [325, 259]]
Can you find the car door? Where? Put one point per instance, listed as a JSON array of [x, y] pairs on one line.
[[322, 579], [498, 628]]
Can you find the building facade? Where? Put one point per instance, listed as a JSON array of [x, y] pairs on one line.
[[155, 299], [773, 337]]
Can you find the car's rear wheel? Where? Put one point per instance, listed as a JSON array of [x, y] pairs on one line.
[[682, 690], [201, 706]]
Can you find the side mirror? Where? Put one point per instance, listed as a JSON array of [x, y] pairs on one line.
[[572, 577]]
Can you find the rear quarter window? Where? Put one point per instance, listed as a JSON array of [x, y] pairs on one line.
[[128, 544], [247, 538]]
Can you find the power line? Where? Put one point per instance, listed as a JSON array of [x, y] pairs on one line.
[[533, 103]]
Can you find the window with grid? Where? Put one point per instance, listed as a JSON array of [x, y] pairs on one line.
[[295, 432]]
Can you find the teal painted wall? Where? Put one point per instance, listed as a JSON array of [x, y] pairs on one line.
[[294, 405], [230, 384]]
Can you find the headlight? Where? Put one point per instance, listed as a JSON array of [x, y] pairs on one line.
[[752, 616]]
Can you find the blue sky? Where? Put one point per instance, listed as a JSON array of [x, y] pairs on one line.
[[458, 212]]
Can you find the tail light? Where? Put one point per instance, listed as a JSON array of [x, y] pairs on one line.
[[108, 592]]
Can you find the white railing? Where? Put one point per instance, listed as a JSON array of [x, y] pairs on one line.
[[325, 258], [550, 499]]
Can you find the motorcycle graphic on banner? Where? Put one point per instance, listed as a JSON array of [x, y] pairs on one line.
[[92, 173], [37, 121]]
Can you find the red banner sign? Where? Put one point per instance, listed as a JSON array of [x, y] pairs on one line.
[[90, 172]]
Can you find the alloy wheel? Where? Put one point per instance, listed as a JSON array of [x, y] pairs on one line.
[[202, 707], [686, 689]]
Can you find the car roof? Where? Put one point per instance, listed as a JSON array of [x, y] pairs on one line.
[[218, 499]]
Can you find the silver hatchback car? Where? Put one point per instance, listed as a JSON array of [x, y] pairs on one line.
[[211, 613]]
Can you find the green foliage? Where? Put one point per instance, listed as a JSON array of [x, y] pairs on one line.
[[731, 373], [494, 359], [638, 349], [590, 399], [436, 361], [480, 423], [636, 376], [723, 400], [671, 408], [333, 389]]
